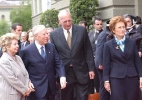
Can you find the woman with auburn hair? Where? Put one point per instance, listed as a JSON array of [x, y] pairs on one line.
[[14, 78], [122, 65]]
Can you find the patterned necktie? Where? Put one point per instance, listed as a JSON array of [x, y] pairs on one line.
[[69, 39], [42, 52]]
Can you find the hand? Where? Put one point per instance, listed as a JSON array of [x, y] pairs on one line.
[[31, 86], [141, 83], [27, 93], [63, 82], [140, 54], [100, 67], [91, 75], [107, 86]]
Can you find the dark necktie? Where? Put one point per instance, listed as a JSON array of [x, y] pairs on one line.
[[42, 52], [22, 45], [69, 39]]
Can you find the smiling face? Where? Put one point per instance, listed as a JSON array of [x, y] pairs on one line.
[[13, 47]]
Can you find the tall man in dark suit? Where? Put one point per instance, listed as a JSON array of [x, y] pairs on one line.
[[74, 48], [42, 62], [93, 35], [104, 95], [17, 29]]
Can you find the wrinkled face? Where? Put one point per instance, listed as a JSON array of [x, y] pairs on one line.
[[42, 37], [119, 29], [13, 48], [66, 21], [18, 30], [23, 37], [128, 21], [98, 25]]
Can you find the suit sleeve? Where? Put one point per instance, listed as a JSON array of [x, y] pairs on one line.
[[59, 64], [88, 52], [106, 62], [99, 48], [24, 58], [137, 60], [9, 76]]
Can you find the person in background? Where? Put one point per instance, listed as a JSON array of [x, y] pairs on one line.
[[24, 40], [49, 30], [132, 33], [84, 23], [122, 72], [74, 48], [16, 29], [102, 38], [93, 35], [30, 36], [42, 63], [14, 79], [138, 24]]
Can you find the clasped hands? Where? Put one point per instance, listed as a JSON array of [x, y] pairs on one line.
[[30, 89]]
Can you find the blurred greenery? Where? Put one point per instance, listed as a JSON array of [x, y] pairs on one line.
[[4, 27], [22, 15], [83, 10], [50, 18]]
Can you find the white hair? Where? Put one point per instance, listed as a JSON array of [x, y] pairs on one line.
[[36, 29], [62, 13], [23, 33]]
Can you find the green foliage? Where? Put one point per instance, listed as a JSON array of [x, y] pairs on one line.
[[83, 10], [4, 27], [22, 15], [50, 18]]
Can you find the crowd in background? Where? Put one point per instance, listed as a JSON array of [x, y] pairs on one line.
[[71, 62]]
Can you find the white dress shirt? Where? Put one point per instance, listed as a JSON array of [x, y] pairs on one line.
[[39, 46], [66, 34]]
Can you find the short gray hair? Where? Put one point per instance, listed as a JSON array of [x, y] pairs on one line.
[[62, 13], [36, 29]]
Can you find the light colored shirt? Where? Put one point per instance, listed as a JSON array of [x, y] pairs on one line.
[[66, 34], [39, 46], [120, 43]]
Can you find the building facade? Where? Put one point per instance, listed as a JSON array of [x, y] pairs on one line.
[[106, 10]]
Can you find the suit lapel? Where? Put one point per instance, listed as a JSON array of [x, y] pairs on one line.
[[74, 36], [127, 45], [117, 48], [92, 39], [36, 53], [47, 49], [14, 63], [62, 38]]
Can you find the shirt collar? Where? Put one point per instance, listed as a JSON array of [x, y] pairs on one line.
[[70, 30], [38, 45], [120, 42]]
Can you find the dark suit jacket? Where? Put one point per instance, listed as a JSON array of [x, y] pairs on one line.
[[139, 29], [93, 39], [80, 54], [42, 72], [99, 47], [118, 64]]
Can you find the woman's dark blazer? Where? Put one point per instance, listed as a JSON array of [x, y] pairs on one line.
[[118, 64]]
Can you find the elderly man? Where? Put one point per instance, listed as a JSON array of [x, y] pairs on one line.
[[74, 48], [24, 39], [42, 63]]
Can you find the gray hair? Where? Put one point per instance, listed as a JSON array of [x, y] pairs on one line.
[[62, 13], [25, 33], [36, 29]]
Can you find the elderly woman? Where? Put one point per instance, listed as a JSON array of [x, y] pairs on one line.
[[14, 79], [122, 64]]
